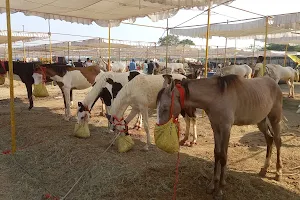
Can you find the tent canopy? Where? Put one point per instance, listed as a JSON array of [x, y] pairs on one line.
[[251, 29], [289, 38], [104, 11], [21, 36]]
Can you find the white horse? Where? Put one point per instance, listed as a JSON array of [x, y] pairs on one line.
[[287, 74], [140, 94], [240, 70], [68, 78], [106, 87], [175, 67], [115, 66]]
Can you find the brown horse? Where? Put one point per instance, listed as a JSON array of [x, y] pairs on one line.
[[230, 100]]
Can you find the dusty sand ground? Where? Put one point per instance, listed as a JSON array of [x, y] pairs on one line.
[[50, 160]]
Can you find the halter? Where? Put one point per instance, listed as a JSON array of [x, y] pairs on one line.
[[181, 99], [3, 66], [120, 124], [43, 72]]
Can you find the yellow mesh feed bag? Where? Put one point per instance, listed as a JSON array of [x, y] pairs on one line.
[[40, 90], [82, 130], [2, 80], [124, 143], [166, 136]]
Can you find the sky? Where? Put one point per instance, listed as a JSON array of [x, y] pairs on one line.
[[136, 33]]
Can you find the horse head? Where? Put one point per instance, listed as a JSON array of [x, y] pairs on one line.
[[83, 113], [168, 103]]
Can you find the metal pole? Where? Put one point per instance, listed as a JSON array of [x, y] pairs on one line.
[[24, 52], [50, 44], [235, 52], [69, 51], [286, 48], [225, 50], [253, 53], [206, 46], [167, 45], [265, 50], [108, 63], [207, 38], [217, 54], [11, 80]]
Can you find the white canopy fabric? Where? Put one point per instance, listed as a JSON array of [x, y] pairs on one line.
[[252, 29], [21, 36], [289, 38], [103, 12]]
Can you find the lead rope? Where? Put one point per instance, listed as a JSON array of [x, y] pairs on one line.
[[178, 154]]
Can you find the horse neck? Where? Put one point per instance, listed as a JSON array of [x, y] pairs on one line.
[[197, 89], [93, 95], [121, 103]]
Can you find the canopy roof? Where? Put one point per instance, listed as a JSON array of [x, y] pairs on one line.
[[289, 38], [21, 36], [104, 11], [250, 29]]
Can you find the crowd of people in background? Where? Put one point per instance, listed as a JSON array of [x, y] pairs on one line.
[[146, 67]]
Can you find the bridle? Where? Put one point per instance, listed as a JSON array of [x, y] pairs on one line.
[[119, 123], [43, 72]]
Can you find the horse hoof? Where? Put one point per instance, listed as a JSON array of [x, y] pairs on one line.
[[218, 196], [262, 172], [30, 107], [278, 177], [145, 148], [210, 190], [182, 142]]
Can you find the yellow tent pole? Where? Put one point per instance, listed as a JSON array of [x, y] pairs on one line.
[[286, 48], [108, 63], [207, 38], [11, 80], [265, 50], [206, 46], [24, 52], [167, 45]]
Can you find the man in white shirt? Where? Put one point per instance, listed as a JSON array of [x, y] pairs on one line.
[[88, 62]]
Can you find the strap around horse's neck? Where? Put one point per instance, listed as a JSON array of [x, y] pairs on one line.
[[181, 96]]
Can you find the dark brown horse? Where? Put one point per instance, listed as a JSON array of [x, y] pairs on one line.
[[230, 100]]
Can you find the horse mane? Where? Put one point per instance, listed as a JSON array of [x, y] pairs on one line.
[[59, 69], [185, 85], [228, 82]]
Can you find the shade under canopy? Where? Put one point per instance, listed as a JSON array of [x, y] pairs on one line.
[[21, 36], [250, 29], [104, 11]]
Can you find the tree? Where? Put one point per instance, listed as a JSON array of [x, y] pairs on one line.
[[171, 40], [187, 42], [281, 47]]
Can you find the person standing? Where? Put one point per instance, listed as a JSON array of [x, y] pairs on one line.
[[132, 65], [150, 67], [88, 62], [145, 67]]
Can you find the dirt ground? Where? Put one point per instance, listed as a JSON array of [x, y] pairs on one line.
[[49, 160]]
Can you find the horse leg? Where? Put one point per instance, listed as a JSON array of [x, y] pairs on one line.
[[71, 97], [102, 108], [213, 185], [138, 124], [225, 135], [262, 126], [146, 126], [292, 89], [194, 125], [29, 95], [288, 82], [66, 94], [187, 130]]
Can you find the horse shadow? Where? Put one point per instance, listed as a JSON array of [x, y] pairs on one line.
[[51, 160], [255, 141]]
